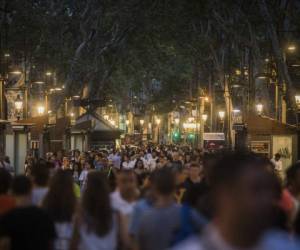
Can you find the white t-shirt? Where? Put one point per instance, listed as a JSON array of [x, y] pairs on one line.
[[91, 241], [83, 178], [277, 164], [120, 205], [64, 233], [152, 164], [129, 165], [38, 195]]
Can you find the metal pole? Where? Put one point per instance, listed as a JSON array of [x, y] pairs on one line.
[[2, 98], [283, 105], [276, 100], [26, 102], [201, 122], [46, 102]]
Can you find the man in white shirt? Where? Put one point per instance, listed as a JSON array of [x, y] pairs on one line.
[[278, 165], [123, 201], [151, 164]]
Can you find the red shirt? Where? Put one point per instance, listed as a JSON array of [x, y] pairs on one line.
[[7, 203]]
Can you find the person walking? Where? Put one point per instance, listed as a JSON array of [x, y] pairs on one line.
[[60, 203], [96, 226]]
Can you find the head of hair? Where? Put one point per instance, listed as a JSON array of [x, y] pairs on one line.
[[230, 167], [21, 185], [292, 172], [40, 173], [194, 165], [5, 181], [164, 181], [96, 204], [60, 201]]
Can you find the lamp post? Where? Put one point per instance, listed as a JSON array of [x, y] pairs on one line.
[[127, 125], [297, 99], [18, 106], [204, 117], [142, 128], [222, 116], [157, 121]]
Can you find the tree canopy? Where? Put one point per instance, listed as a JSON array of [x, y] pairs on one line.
[[128, 46]]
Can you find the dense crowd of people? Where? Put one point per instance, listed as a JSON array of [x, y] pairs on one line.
[[150, 198]]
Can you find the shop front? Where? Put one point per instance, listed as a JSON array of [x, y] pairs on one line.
[[267, 137]]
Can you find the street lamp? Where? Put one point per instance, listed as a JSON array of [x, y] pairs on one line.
[[18, 106], [204, 117], [291, 48], [259, 108], [221, 115], [297, 98], [177, 120], [40, 109], [48, 73], [142, 122], [157, 121], [238, 72]]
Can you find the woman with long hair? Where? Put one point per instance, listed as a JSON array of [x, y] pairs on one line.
[[60, 204], [95, 226]]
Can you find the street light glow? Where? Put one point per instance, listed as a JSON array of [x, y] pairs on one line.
[[127, 122], [238, 72], [204, 117], [236, 111], [48, 73], [221, 114], [16, 72], [291, 48], [40, 109], [158, 121], [6, 55], [18, 103], [262, 77], [176, 120], [106, 117], [297, 99], [259, 108], [142, 122]]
